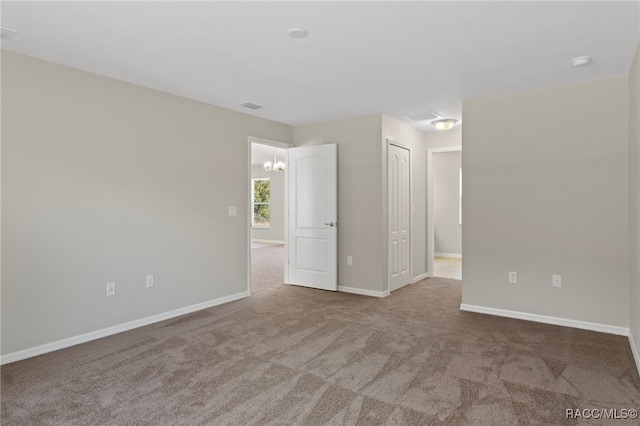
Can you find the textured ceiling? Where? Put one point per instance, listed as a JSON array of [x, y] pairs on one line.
[[397, 58]]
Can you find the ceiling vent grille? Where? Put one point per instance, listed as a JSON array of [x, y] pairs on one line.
[[7, 34], [422, 116], [251, 105]]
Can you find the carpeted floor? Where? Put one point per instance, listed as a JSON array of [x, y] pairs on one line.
[[292, 355], [267, 267]]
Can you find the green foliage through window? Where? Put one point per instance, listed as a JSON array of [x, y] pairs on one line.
[[261, 203]]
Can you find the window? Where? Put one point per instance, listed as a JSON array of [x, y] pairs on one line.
[[261, 196]]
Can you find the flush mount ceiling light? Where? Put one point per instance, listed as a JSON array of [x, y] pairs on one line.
[[276, 166], [444, 123], [297, 33], [580, 61]]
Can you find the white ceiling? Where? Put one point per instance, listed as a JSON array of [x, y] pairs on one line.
[[397, 58], [260, 154]]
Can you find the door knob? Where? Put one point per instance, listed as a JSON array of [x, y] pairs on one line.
[[331, 224]]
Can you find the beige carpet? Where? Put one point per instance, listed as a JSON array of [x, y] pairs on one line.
[[267, 267], [291, 355]]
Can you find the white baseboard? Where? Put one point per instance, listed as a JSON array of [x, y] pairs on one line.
[[93, 335], [363, 291], [420, 278], [451, 255], [634, 351], [267, 241], [603, 328]]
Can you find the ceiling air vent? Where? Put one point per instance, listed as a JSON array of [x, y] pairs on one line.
[[7, 34], [425, 116], [251, 105]]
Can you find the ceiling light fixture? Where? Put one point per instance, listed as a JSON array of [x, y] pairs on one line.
[[297, 33], [444, 123], [276, 166], [580, 61]]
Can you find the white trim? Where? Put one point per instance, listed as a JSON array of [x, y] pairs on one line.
[[634, 351], [420, 278], [430, 224], [254, 240], [603, 328], [450, 255], [363, 291], [277, 144], [411, 207], [269, 142], [98, 334]]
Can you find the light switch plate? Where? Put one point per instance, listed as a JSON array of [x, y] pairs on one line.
[[233, 210]]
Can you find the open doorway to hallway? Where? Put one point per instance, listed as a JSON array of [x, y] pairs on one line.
[[446, 178], [267, 215]]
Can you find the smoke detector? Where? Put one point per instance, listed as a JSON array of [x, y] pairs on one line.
[[297, 32], [580, 61]]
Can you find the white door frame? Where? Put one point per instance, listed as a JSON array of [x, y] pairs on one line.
[[276, 144], [430, 222], [386, 237]]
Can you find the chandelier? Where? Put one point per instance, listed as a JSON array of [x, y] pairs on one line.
[[276, 166]]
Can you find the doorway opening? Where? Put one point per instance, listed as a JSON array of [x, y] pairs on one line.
[[445, 212], [267, 201]]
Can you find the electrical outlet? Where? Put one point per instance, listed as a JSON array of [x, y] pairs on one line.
[[513, 277], [149, 281], [349, 260], [556, 280], [111, 289]]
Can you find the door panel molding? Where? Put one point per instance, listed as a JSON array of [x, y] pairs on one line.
[[312, 258], [399, 215]]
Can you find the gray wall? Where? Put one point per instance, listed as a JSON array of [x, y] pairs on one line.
[[362, 153], [359, 196], [446, 202], [106, 181], [276, 231], [447, 139], [634, 199], [546, 192]]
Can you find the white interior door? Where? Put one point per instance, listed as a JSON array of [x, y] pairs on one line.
[[313, 207], [399, 217]]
